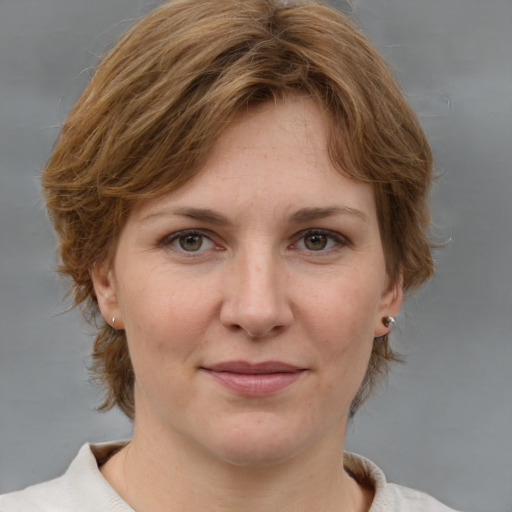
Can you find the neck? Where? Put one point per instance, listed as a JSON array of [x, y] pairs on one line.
[[170, 476]]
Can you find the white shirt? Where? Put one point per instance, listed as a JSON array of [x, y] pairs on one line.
[[83, 489]]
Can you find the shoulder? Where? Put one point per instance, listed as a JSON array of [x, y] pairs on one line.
[[36, 498], [81, 489], [411, 500], [390, 497], [52, 495]]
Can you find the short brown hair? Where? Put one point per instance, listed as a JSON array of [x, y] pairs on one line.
[[159, 100]]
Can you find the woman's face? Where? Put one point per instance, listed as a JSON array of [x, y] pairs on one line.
[[251, 296]]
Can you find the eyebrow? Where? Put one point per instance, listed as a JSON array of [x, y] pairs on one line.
[[309, 214], [200, 214], [299, 217]]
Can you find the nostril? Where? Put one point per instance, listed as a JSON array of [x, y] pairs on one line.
[[255, 301], [256, 333]]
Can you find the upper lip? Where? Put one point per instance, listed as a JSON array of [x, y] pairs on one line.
[[245, 367]]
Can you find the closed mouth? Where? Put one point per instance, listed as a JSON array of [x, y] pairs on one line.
[[246, 368], [254, 379]]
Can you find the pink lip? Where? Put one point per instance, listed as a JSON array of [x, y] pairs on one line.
[[250, 379]]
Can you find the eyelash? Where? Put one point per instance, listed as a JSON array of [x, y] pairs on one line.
[[337, 241], [169, 241]]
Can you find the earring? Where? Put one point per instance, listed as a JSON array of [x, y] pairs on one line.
[[389, 321], [113, 320]]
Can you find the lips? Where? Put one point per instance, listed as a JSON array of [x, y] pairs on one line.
[[246, 368], [251, 379]]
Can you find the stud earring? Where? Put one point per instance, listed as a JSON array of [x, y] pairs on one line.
[[389, 321], [113, 320]]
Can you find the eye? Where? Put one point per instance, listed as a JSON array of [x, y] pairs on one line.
[[188, 241], [318, 240]]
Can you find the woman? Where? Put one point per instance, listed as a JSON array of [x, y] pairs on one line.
[[240, 199]]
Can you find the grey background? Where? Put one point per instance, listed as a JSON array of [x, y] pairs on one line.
[[444, 422]]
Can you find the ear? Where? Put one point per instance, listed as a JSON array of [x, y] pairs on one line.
[[105, 288], [390, 304]]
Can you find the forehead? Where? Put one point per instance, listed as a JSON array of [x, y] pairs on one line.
[[273, 156]]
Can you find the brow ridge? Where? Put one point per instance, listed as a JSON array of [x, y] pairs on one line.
[[200, 214], [314, 213], [299, 217]]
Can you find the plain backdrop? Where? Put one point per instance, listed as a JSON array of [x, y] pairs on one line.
[[444, 422]]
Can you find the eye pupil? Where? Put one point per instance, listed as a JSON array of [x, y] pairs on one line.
[[315, 242], [191, 242]]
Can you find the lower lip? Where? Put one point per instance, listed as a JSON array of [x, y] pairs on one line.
[[260, 384]]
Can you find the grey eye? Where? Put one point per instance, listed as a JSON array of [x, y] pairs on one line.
[[190, 242], [316, 242]]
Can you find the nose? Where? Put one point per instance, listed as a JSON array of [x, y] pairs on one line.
[[255, 297]]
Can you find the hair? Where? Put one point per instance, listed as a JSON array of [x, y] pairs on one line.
[[157, 103]]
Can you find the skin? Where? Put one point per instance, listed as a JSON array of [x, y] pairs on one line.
[[284, 263]]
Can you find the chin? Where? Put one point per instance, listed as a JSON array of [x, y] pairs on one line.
[[259, 442]]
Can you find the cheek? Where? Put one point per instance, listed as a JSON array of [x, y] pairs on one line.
[[345, 358], [165, 327], [345, 307], [342, 319], [164, 316]]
